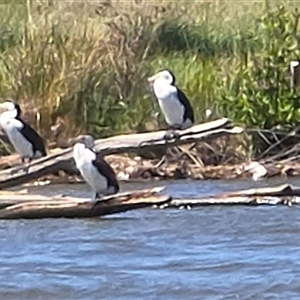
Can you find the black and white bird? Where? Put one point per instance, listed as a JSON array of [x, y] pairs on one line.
[[94, 169], [177, 110], [26, 141]]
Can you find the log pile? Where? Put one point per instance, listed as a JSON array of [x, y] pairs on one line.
[[61, 159]]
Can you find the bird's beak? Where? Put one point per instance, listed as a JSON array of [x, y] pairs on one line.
[[294, 63], [152, 78]]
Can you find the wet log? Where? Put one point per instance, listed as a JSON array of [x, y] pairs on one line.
[[283, 194], [20, 205], [61, 159], [29, 206]]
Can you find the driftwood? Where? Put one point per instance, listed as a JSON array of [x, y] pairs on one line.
[[62, 159], [283, 194], [20, 205], [28, 206]]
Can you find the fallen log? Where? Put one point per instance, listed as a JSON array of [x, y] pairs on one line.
[[62, 159], [20, 205], [28, 206], [284, 194]]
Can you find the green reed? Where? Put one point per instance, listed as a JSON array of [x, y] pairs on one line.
[[88, 62]]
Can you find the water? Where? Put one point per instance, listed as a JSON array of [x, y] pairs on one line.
[[206, 253]]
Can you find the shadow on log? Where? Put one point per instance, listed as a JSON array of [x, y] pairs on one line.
[[62, 159], [284, 194], [28, 206]]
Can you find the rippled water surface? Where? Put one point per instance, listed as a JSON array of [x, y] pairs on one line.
[[206, 253]]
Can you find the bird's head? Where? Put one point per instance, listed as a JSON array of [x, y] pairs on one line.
[[86, 140], [12, 107], [165, 75], [293, 65]]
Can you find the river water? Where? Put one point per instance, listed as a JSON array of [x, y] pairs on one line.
[[205, 253]]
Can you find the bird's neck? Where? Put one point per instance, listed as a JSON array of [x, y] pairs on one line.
[[7, 115], [163, 89]]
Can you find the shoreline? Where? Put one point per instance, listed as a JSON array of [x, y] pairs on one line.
[[138, 169], [215, 150]]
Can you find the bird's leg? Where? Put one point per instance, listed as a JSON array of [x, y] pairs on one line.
[[18, 168], [172, 133], [97, 196], [26, 167]]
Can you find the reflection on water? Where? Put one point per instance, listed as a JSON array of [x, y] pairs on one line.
[[206, 253]]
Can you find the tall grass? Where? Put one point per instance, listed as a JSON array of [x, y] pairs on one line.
[[88, 61]]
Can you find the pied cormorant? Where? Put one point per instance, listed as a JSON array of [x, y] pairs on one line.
[[26, 141], [94, 169], [175, 106]]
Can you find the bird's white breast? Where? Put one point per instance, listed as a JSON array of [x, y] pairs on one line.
[[90, 173], [20, 143], [169, 103]]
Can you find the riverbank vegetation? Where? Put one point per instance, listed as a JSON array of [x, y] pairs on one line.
[[87, 62]]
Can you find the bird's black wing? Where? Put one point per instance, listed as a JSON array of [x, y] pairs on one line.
[[189, 113], [107, 171], [33, 137]]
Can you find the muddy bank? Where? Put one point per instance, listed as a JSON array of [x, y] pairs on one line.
[[138, 168], [212, 150]]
